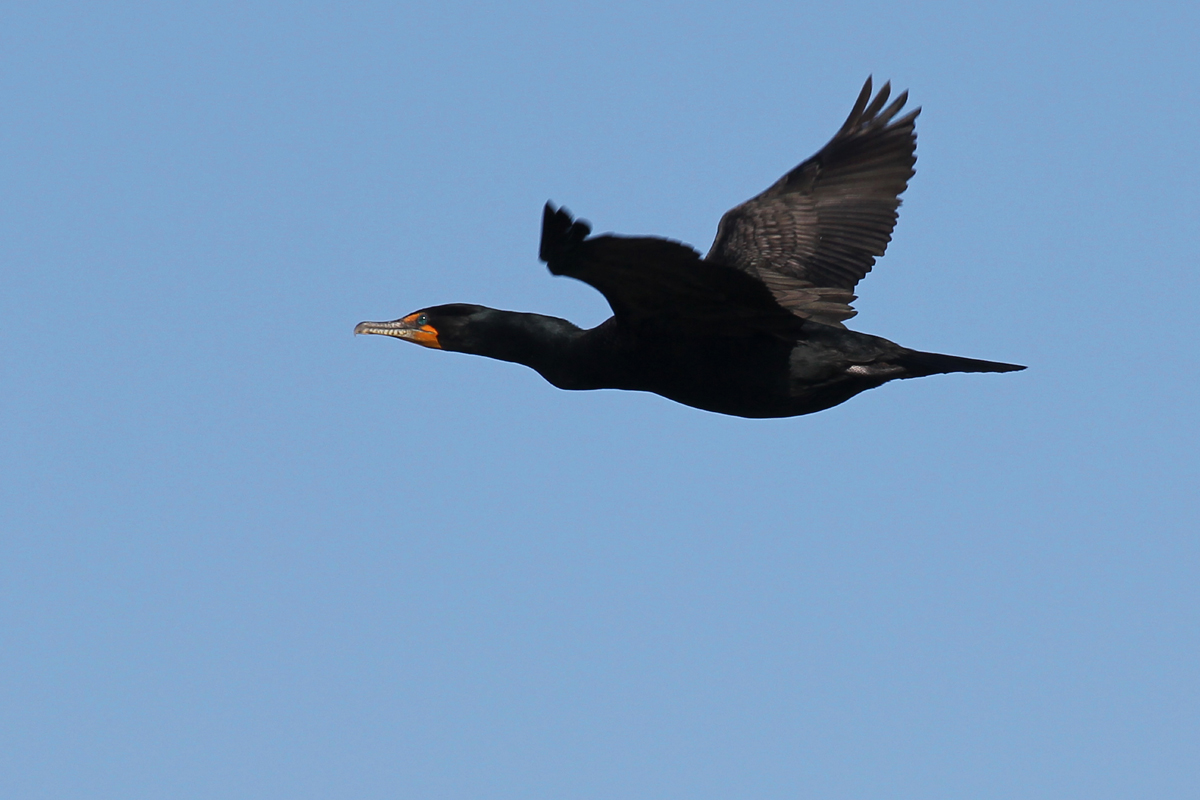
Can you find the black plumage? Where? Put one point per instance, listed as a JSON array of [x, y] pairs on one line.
[[752, 329]]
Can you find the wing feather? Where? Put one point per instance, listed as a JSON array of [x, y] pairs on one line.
[[647, 278], [822, 225]]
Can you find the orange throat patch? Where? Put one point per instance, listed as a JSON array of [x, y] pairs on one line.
[[424, 335]]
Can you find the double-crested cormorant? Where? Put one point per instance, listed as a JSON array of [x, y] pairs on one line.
[[752, 329]]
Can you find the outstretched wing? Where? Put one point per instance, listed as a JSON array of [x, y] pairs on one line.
[[650, 278], [818, 230]]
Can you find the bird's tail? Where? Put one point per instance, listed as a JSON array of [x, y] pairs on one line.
[[921, 364]]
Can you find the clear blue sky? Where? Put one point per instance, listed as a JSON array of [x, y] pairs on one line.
[[245, 554]]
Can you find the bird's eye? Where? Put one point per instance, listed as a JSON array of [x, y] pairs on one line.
[[423, 319]]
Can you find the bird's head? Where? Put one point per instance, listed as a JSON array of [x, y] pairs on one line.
[[447, 327]]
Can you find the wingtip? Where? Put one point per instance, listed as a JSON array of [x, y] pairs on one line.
[[869, 111], [880, 98], [560, 233], [864, 97]]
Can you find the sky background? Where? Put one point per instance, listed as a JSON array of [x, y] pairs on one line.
[[245, 554]]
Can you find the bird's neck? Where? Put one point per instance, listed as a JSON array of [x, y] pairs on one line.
[[555, 348]]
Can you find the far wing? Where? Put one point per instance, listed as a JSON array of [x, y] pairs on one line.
[[817, 231], [650, 278]]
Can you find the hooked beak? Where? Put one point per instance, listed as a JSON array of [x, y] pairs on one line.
[[405, 328]]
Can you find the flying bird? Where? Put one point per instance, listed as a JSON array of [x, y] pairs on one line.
[[754, 328]]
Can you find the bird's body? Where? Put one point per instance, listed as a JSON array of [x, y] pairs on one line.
[[753, 329]]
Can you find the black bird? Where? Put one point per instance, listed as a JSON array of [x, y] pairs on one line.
[[752, 329]]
